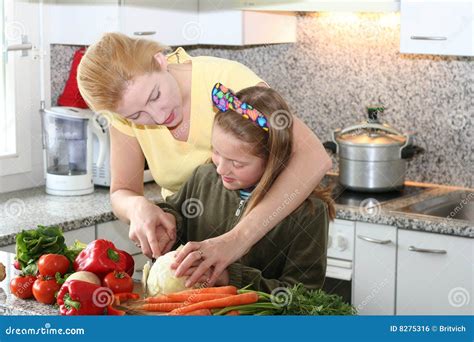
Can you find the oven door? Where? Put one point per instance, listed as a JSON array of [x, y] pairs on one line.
[[339, 278]]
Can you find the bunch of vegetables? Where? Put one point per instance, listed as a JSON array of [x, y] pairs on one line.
[[228, 300], [72, 277], [32, 244], [296, 300]]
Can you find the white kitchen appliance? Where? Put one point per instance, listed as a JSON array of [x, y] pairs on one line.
[[68, 133], [102, 174]]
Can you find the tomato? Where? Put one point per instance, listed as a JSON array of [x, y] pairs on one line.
[[44, 290], [22, 287], [118, 282], [49, 264]]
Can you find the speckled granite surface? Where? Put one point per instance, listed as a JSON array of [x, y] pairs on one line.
[[26, 209], [344, 62]]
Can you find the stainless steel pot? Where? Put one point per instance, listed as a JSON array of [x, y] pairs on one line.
[[372, 155]]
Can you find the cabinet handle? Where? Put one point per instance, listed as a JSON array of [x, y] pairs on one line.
[[423, 250], [427, 38], [369, 239], [144, 33]]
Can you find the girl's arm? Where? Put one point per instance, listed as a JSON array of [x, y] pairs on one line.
[[307, 166]]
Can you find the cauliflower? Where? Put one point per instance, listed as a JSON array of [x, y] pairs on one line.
[[161, 278]]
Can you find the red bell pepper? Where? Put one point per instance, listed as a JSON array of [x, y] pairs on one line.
[[77, 297], [130, 264], [101, 257]]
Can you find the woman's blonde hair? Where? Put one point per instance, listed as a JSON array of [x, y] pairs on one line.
[[274, 146], [110, 63]]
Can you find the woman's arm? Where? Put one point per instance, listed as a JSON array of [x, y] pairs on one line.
[[150, 226], [306, 168]]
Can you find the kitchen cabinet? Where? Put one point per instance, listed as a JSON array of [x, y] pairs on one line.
[[219, 25], [117, 232], [79, 22], [168, 22], [374, 269], [175, 23], [437, 27], [434, 274]]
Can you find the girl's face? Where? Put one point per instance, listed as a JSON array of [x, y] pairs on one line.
[[153, 99], [238, 168]]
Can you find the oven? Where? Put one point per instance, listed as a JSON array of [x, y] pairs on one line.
[[339, 272]]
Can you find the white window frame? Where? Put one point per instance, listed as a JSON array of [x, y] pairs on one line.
[[18, 128]]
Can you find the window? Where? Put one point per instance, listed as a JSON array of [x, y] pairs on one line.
[[7, 114]]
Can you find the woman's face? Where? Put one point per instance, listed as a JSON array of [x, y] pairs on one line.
[[152, 99], [238, 168]]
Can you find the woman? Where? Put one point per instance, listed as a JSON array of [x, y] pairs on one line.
[[160, 110]]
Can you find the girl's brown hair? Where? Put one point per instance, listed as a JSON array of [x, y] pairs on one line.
[[109, 64], [274, 146]]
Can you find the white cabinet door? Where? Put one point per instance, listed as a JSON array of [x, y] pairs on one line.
[[117, 232], [84, 235], [373, 287], [222, 25], [435, 274], [437, 27], [168, 22], [79, 22]]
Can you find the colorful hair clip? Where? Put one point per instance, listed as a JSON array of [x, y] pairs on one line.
[[224, 99]]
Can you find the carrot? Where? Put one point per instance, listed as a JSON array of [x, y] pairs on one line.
[[217, 289], [201, 312], [161, 307], [124, 296], [240, 299], [188, 298], [233, 313]]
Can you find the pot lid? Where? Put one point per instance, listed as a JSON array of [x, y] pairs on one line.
[[370, 134]]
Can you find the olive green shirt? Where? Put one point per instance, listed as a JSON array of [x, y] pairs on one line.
[[294, 251]]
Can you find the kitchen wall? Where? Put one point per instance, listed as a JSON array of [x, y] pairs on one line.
[[344, 62]]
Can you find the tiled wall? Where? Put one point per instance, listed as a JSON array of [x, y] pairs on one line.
[[341, 64]]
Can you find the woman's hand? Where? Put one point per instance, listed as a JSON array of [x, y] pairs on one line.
[[212, 255], [153, 230]]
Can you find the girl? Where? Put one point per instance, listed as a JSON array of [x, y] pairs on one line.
[[160, 110], [251, 145]]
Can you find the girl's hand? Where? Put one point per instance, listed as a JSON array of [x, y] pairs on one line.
[[222, 280], [152, 230], [213, 255]]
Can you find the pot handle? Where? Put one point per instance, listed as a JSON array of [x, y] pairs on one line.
[[331, 146], [371, 125], [410, 151]]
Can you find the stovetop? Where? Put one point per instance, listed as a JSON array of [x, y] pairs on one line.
[[344, 196]]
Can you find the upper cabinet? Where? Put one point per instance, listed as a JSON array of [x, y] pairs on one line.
[[171, 22], [437, 27], [79, 22], [224, 26]]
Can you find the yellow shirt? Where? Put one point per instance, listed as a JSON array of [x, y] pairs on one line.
[[172, 161]]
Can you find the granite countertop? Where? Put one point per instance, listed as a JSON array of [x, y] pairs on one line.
[[26, 209], [390, 213]]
